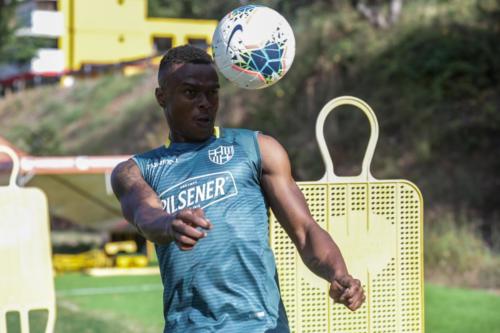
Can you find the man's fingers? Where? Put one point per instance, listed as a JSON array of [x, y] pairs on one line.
[[182, 228], [336, 291], [198, 212], [185, 247], [347, 291], [195, 217], [185, 228], [356, 300], [354, 306], [184, 240], [353, 290], [356, 303], [343, 298]]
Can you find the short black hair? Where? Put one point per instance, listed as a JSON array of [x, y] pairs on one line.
[[184, 54]]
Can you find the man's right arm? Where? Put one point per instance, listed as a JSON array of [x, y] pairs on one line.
[[141, 206]]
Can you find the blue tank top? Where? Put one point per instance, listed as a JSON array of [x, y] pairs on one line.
[[228, 281]]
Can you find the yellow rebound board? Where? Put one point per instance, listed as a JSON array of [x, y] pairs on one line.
[[26, 281], [378, 226]]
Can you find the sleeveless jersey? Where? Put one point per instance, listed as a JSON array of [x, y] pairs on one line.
[[228, 281]]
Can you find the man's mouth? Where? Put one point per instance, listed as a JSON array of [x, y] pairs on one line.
[[203, 121]]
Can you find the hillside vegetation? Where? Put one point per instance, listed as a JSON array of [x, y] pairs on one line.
[[433, 80]]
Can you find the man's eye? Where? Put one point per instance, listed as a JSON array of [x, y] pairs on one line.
[[190, 92]]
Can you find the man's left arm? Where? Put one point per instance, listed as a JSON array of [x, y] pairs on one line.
[[315, 246]]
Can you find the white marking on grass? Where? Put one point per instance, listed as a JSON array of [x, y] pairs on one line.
[[68, 305], [110, 290]]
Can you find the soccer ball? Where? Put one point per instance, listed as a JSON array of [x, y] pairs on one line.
[[253, 46]]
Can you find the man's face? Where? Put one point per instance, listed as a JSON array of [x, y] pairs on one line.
[[189, 98]]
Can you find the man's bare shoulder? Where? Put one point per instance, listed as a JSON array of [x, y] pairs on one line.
[[125, 167], [124, 175], [273, 154], [265, 139]]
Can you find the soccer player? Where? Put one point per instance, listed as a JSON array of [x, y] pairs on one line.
[[203, 199]]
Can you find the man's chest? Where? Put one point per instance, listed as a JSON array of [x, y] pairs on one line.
[[201, 178]]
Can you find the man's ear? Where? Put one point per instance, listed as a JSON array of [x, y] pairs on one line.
[[160, 97]]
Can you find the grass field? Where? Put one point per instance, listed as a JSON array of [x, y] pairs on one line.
[[118, 304], [133, 304], [453, 310]]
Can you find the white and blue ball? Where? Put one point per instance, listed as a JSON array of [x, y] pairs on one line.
[[253, 46]]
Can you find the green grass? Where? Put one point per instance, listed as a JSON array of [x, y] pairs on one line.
[[134, 304], [461, 310]]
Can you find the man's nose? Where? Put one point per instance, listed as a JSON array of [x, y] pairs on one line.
[[203, 101]]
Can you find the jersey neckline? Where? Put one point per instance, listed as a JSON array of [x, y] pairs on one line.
[[191, 145]]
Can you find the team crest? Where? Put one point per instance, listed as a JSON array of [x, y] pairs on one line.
[[221, 154]]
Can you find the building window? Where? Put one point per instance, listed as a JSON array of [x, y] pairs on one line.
[[47, 5], [199, 43], [47, 43], [162, 44]]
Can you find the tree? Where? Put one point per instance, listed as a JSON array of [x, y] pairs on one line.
[[207, 9], [373, 11], [13, 49], [6, 31]]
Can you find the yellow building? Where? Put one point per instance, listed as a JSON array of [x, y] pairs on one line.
[[77, 33], [113, 31]]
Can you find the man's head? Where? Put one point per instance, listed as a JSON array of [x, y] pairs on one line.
[[188, 93]]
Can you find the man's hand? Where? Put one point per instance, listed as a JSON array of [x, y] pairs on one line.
[[348, 291], [185, 228]]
